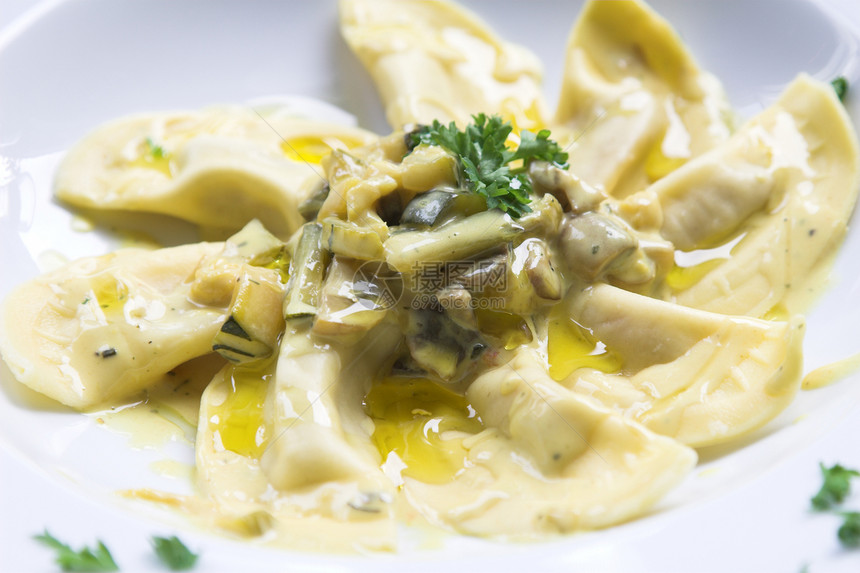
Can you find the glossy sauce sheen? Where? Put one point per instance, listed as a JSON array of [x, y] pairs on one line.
[[585, 397], [423, 424]]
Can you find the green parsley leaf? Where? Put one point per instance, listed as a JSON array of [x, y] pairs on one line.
[[86, 559], [849, 532], [541, 147], [836, 486], [173, 553], [840, 86], [485, 160], [156, 151]]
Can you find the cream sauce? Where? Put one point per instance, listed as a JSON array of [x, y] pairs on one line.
[[588, 393]]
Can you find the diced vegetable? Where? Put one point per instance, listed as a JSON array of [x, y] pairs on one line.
[[428, 167], [426, 208], [254, 244], [255, 323], [469, 236], [389, 207], [309, 208], [350, 240], [307, 271], [440, 345], [434, 207]]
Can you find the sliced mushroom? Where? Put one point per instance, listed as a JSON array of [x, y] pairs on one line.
[[574, 194], [545, 280], [350, 240], [593, 242]]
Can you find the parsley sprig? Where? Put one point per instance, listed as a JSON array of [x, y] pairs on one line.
[[835, 487], [488, 167], [85, 559], [840, 86], [173, 553], [849, 532]]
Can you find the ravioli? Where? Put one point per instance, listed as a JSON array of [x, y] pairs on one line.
[[285, 436], [701, 378], [218, 168], [311, 422], [550, 461], [635, 102], [101, 329], [104, 328], [784, 186], [436, 60], [322, 516]]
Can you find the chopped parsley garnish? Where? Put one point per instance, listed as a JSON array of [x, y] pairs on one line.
[[849, 532], [840, 86], [85, 559], [487, 165], [834, 490], [156, 151], [173, 553], [836, 486]]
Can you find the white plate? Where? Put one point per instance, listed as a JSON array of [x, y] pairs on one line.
[[67, 66]]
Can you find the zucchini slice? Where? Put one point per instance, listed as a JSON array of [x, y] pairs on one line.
[[251, 332], [307, 271]]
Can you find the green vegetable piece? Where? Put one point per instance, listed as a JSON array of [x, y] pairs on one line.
[[251, 332], [840, 86], [307, 271], [438, 344], [237, 346], [309, 208], [85, 559], [485, 159], [836, 486], [173, 553], [540, 147], [849, 531], [408, 251], [350, 240], [426, 208], [435, 207]]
